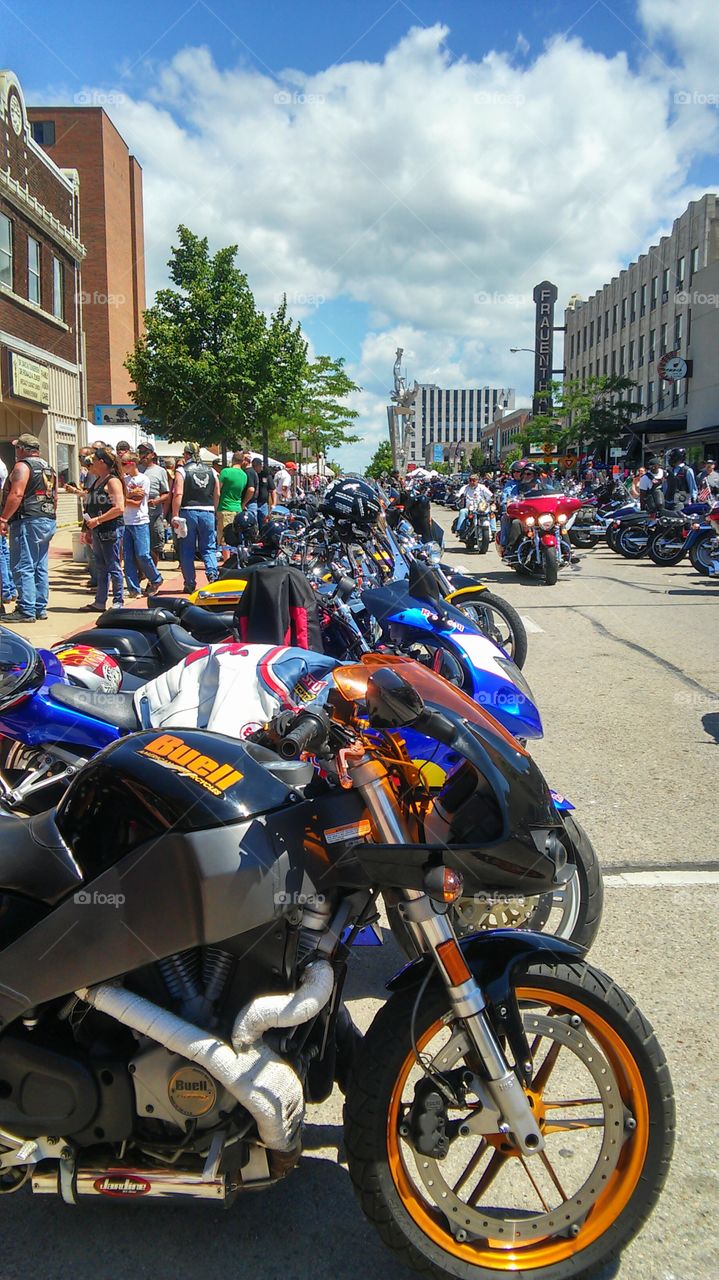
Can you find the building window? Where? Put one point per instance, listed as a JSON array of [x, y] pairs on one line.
[[584, 338], [606, 365], [662, 340], [599, 326], [614, 318], [640, 396], [5, 251], [624, 312], [643, 300], [652, 342], [43, 131], [640, 352], [633, 308], [33, 270], [591, 333], [678, 330], [58, 281], [665, 284], [693, 261], [621, 359], [650, 394], [631, 354], [653, 295], [689, 326], [614, 363], [571, 346], [606, 324], [680, 273]]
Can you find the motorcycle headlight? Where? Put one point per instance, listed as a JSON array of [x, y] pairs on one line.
[[561, 517], [546, 521], [529, 521], [433, 551]]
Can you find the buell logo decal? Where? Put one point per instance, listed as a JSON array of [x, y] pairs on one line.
[[175, 754], [121, 1184]]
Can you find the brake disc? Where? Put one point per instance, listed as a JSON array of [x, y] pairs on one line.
[[474, 914], [467, 1222]]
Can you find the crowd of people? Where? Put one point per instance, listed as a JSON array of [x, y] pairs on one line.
[[133, 503]]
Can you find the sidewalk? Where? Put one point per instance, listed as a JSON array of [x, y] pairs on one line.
[[69, 593]]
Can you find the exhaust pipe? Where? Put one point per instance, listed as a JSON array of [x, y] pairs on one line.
[[132, 1184], [258, 1078]]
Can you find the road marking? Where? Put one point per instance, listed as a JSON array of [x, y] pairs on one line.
[[532, 627], [661, 879]]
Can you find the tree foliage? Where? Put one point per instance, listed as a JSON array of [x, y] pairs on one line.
[[210, 366], [318, 415], [381, 461], [596, 411]]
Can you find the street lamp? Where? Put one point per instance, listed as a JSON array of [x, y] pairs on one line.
[[533, 350], [490, 451]]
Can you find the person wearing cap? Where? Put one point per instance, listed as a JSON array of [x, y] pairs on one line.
[[195, 496], [509, 491], [159, 499], [28, 516]]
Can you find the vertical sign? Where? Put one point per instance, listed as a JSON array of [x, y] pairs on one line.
[[545, 296]]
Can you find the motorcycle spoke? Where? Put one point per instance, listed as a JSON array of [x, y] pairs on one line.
[[539, 1082], [550, 1170], [572, 1126], [497, 1162], [534, 1183], [471, 1167]]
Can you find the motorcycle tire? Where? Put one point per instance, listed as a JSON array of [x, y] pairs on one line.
[[512, 637], [654, 550], [611, 539], [700, 557], [584, 541], [483, 547], [458, 1216], [629, 549], [549, 564]]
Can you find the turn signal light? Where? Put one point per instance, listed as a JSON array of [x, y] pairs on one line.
[[443, 885]]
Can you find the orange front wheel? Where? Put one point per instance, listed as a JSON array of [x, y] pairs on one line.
[[473, 1205]]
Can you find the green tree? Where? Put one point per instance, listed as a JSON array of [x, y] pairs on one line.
[[380, 462], [596, 411], [318, 416], [210, 366], [477, 460]]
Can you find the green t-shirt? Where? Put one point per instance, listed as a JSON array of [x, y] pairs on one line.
[[233, 482]]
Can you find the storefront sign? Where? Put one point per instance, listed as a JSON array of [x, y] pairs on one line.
[[545, 296], [117, 415], [29, 380]]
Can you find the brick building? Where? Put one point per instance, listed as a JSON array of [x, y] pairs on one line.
[[41, 386], [111, 217]]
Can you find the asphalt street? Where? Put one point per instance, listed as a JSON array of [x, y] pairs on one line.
[[623, 663]]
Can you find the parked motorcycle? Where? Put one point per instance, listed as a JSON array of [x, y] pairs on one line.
[[507, 1098], [543, 547], [49, 728]]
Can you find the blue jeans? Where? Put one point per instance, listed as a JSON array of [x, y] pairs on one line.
[[109, 569], [201, 533], [137, 556], [461, 520], [29, 553], [7, 586]]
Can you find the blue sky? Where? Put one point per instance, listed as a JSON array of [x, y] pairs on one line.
[[405, 172]]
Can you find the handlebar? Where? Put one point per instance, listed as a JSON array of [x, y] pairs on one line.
[[308, 734]]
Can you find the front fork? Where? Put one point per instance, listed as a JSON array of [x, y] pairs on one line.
[[434, 932]]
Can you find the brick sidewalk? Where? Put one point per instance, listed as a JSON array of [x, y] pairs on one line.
[[69, 592]]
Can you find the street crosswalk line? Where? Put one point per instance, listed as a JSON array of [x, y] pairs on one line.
[[660, 879], [532, 627]]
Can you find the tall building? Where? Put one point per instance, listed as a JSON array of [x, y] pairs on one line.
[[453, 419], [111, 218], [41, 340], [665, 303]]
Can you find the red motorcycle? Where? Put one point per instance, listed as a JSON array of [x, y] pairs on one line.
[[543, 546]]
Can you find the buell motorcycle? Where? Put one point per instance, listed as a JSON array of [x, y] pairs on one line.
[[509, 1108], [49, 728]]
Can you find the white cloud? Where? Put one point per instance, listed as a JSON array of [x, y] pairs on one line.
[[436, 190]]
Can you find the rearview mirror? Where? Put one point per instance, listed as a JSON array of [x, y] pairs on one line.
[[392, 702]]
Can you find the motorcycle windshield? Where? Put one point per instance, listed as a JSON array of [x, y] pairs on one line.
[[436, 692], [21, 668]]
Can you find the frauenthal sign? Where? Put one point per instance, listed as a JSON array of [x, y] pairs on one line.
[[29, 380], [545, 296]]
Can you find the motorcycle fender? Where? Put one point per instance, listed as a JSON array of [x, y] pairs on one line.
[[462, 585], [494, 959], [548, 540]]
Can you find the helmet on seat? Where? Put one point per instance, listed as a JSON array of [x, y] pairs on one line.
[[353, 500]]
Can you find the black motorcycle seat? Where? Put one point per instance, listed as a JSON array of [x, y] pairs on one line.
[[207, 627], [136, 619], [34, 859], [112, 708]]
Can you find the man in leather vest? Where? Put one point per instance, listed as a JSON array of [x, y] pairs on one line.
[[194, 499], [28, 516]]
